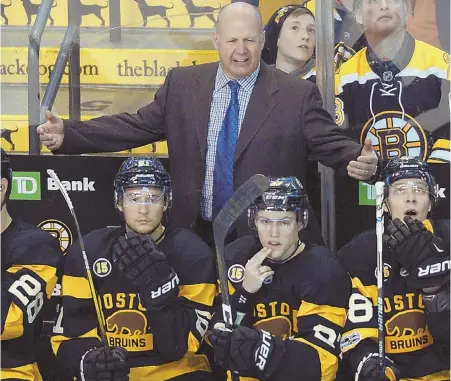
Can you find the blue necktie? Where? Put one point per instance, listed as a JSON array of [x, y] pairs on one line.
[[225, 153]]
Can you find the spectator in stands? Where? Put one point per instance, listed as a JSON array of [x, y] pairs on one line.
[[395, 91], [429, 22], [290, 41], [223, 123], [348, 34]]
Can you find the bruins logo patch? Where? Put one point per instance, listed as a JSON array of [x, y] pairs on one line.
[[59, 230], [393, 136], [446, 57]]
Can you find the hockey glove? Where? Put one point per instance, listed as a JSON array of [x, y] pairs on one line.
[[420, 252], [368, 369], [140, 261], [246, 351], [104, 364]]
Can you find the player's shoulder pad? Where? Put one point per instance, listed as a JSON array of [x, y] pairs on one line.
[[238, 251], [442, 229], [359, 252], [34, 246], [188, 254], [322, 275]]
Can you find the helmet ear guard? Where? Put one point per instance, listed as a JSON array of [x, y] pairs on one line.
[[7, 173]]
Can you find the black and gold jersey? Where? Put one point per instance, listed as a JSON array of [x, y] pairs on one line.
[[178, 328], [304, 303], [29, 263], [408, 335], [401, 105]]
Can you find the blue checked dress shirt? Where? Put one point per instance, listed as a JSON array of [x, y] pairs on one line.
[[219, 104]]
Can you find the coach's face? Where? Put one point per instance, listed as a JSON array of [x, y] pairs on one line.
[[239, 39]]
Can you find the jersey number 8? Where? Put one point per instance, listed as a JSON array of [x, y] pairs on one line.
[[30, 288], [360, 309]]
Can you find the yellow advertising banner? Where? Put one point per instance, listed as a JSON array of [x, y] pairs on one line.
[[134, 13], [126, 67], [14, 138]]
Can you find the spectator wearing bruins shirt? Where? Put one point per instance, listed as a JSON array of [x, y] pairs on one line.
[[395, 91], [30, 259], [156, 288], [416, 283], [291, 295]]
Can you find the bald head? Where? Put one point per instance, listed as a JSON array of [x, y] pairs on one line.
[[239, 10]]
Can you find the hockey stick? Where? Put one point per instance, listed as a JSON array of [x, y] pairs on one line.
[[380, 275], [241, 199], [99, 312]]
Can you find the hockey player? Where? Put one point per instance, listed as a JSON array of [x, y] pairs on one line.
[[291, 296], [29, 262], [416, 283], [395, 91], [156, 287]]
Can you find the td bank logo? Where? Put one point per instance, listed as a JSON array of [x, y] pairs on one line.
[[84, 185], [367, 193], [26, 186]]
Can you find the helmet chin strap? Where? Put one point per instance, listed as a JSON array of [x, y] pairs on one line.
[[299, 247]]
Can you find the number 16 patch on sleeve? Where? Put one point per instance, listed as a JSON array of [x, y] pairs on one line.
[[236, 273]]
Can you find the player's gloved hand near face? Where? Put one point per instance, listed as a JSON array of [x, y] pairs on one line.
[[419, 251], [368, 369], [246, 351], [140, 261], [104, 364]]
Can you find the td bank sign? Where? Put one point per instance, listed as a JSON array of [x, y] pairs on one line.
[[26, 186]]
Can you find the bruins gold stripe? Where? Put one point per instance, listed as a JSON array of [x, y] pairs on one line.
[[200, 293], [189, 363], [329, 363], [44, 272], [336, 315], [13, 324], [369, 292], [25, 372], [75, 286], [193, 343], [439, 376], [442, 144], [57, 340]]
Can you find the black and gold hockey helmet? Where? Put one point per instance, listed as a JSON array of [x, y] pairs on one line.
[[284, 194], [145, 171], [408, 167]]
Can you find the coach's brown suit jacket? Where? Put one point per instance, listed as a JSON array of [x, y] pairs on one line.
[[284, 127]]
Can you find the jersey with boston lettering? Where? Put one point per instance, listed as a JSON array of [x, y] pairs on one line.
[[304, 303], [181, 326], [29, 264], [409, 342], [401, 105]]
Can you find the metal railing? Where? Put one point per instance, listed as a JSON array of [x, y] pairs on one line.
[[34, 86]]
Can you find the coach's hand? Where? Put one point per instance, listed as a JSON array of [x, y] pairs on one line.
[[99, 364], [51, 133], [365, 166]]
